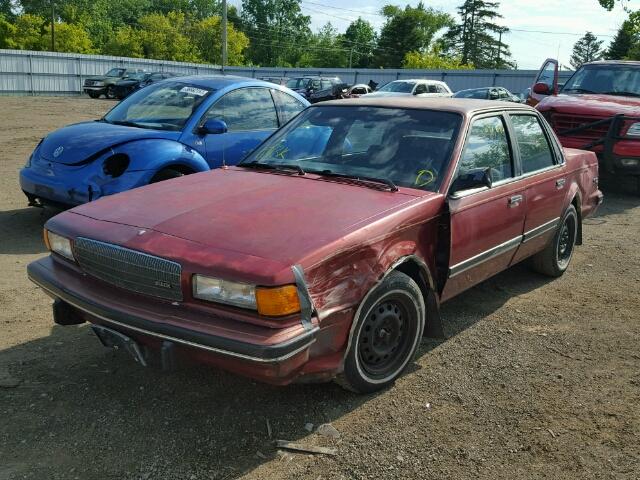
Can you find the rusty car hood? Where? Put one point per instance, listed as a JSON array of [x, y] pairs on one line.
[[279, 217], [591, 104]]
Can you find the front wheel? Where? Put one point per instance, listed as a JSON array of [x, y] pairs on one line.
[[111, 92], [93, 94], [386, 335], [554, 259]]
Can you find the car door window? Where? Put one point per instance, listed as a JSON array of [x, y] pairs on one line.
[[420, 88], [547, 74], [487, 147], [246, 109], [441, 89], [504, 93], [535, 152], [288, 107], [432, 89]]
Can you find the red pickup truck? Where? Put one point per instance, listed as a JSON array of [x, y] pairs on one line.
[[327, 252], [597, 109]]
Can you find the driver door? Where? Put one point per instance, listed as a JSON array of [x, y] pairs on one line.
[[548, 75], [486, 223]]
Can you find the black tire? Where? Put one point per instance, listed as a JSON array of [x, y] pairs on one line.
[[166, 174], [386, 335], [110, 93], [93, 94], [554, 259]]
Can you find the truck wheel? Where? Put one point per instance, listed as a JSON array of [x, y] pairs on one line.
[[166, 174], [386, 335], [555, 258], [93, 94], [110, 92]]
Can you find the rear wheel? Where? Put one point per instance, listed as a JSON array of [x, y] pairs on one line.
[[93, 94], [554, 259], [111, 92], [386, 335], [166, 174]]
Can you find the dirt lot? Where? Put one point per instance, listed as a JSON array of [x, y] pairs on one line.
[[536, 379]]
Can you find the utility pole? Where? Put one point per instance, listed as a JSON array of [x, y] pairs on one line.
[[224, 34], [499, 48], [53, 28]]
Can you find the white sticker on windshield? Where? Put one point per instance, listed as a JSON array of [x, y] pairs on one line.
[[194, 91]]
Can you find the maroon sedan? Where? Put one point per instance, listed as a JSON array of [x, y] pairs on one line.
[[327, 252]]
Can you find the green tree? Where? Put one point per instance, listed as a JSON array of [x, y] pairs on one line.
[[433, 60], [326, 48], [125, 42], [7, 10], [28, 32], [360, 39], [477, 38], [408, 30], [7, 32], [587, 49], [277, 30], [68, 38], [622, 42], [206, 34], [162, 37]]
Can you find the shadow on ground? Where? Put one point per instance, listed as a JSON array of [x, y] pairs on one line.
[[83, 409], [21, 230]]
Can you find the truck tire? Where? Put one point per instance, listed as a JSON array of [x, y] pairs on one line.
[[554, 259], [110, 93], [93, 94], [386, 335]]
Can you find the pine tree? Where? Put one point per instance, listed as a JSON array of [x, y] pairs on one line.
[[477, 39], [587, 49], [622, 42]]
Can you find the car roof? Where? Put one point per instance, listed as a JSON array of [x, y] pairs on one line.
[[423, 80], [464, 106], [221, 81], [614, 62]]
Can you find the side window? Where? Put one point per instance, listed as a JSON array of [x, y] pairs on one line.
[[441, 89], [288, 107], [420, 88], [433, 89], [535, 153], [246, 109], [487, 147], [547, 74], [504, 93]]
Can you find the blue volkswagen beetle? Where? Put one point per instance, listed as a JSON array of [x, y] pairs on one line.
[[169, 129]]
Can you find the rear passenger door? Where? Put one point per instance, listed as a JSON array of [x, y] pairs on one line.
[[250, 115], [543, 174], [486, 223]]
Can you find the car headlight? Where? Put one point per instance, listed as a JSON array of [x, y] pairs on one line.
[[634, 130], [98, 84], [58, 244], [271, 302]]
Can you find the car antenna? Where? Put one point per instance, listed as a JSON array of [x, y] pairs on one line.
[[224, 138]]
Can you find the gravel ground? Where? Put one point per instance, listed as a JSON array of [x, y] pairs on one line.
[[536, 379]]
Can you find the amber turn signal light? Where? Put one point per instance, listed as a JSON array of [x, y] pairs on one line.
[[46, 239], [277, 302]]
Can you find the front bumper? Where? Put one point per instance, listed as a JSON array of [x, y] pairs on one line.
[[265, 360]]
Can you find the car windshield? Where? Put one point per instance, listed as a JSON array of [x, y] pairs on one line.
[[621, 80], [410, 148], [402, 87], [115, 72], [138, 76], [162, 106], [471, 94]]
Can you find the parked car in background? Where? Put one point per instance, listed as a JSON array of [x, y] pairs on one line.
[[277, 80], [597, 109], [105, 84], [488, 93], [358, 90], [137, 81], [315, 88], [416, 87], [327, 252], [166, 130]]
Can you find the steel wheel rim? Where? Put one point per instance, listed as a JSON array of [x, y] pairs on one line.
[[385, 339], [566, 241]]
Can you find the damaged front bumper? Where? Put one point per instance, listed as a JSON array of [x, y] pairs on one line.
[[274, 362]]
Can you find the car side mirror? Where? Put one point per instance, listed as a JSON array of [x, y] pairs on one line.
[[541, 88], [213, 126], [476, 178]]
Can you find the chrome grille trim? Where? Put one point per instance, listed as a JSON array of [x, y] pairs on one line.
[[129, 269]]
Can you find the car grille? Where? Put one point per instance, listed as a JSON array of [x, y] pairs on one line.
[[129, 269], [561, 122]]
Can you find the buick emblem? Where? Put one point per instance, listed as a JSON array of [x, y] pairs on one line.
[[58, 151], [161, 284]]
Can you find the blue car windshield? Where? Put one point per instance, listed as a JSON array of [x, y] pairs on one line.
[[163, 106], [408, 147]]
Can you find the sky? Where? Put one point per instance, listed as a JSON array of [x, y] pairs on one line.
[[568, 19]]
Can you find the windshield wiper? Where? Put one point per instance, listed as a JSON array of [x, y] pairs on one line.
[[623, 94], [359, 178], [273, 166], [578, 90]]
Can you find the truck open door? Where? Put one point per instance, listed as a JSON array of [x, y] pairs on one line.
[[546, 82]]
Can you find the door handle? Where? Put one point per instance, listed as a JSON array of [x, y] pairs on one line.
[[515, 200], [560, 183]]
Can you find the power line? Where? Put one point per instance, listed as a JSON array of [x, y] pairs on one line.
[[361, 12]]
